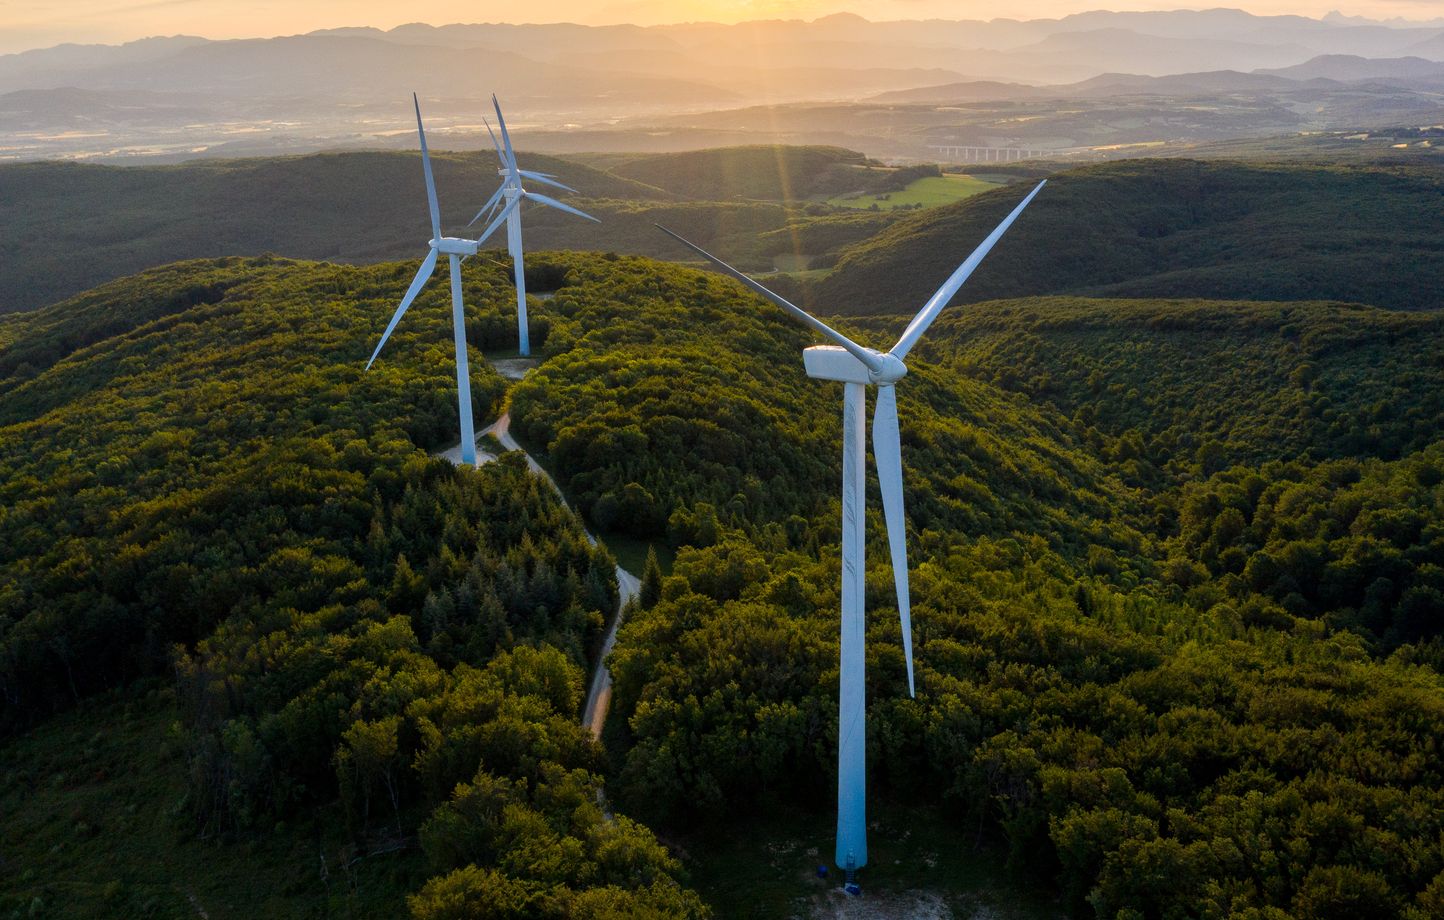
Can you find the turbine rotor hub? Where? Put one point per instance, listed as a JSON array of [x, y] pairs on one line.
[[892, 371]]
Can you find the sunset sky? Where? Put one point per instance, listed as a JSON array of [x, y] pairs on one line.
[[41, 23]]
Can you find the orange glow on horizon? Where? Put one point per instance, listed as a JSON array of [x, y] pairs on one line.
[[41, 23]]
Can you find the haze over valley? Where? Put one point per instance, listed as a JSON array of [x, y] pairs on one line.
[[1080, 84]]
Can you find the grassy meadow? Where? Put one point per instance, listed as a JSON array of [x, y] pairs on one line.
[[927, 192]]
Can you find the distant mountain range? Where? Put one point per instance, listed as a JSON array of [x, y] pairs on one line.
[[360, 61], [183, 95], [1323, 72], [1352, 68], [1432, 48]]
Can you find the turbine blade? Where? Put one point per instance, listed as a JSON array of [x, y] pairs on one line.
[[426, 167], [545, 179], [422, 276], [505, 135], [939, 300], [500, 219], [494, 142], [887, 452], [552, 202], [868, 359], [490, 204], [496, 205]]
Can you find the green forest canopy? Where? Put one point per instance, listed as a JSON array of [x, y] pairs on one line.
[[200, 479], [1158, 640], [1176, 664], [366, 206]]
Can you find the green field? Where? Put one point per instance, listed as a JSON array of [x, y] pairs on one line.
[[928, 192]]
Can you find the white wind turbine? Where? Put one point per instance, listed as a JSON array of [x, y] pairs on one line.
[[511, 189], [456, 251], [856, 367]]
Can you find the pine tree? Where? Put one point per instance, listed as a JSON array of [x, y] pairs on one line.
[[651, 590]]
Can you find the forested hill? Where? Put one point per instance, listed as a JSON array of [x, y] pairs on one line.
[[354, 207], [1172, 228], [367, 207], [773, 173], [1157, 641], [1169, 662], [1137, 228], [205, 502], [1194, 386]]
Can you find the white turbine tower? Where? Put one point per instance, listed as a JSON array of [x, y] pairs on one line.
[[456, 251], [856, 367], [511, 189]]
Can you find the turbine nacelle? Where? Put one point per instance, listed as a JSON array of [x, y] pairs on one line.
[[455, 246], [833, 362]]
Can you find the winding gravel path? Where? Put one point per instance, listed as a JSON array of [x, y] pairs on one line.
[[599, 694]]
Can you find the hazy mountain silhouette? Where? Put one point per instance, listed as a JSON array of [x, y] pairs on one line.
[[48, 67], [1083, 45], [1158, 55], [1431, 48], [966, 91], [1348, 67]]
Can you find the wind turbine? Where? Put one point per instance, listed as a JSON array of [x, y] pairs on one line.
[[456, 251], [857, 367], [511, 189]]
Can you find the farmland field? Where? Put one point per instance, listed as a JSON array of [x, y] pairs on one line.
[[928, 192]]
